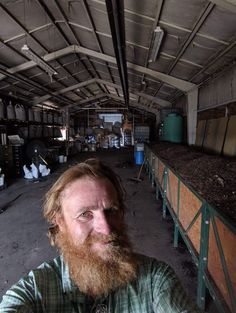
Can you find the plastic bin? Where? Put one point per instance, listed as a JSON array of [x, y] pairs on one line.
[[139, 157]]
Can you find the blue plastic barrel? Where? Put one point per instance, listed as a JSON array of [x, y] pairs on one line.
[[139, 157]]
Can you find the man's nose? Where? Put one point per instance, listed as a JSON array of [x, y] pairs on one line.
[[101, 224]]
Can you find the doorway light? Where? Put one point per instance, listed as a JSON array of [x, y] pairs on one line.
[[38, 60]]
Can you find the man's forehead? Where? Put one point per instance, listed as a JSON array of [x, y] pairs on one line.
[[87, 184]]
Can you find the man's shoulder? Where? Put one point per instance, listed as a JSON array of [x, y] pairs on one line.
[[54, 263], [48, 269], [148, 264], [145, 260]]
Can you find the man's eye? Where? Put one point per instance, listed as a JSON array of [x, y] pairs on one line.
[[85, 216]]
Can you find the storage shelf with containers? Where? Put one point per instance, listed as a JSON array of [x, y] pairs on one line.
[[29, 124], [141, 133]]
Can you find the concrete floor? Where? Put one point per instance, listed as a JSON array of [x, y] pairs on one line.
[[24, 244]]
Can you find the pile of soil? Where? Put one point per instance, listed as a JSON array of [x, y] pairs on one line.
[[213, 177]]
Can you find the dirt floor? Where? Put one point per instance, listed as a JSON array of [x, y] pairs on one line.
[[213, 177], [24, 244]]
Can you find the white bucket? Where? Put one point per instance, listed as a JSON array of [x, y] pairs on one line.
[[61, 158], [1, 179], [139, 147]]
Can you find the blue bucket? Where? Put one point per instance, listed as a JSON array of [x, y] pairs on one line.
[[139, 157]]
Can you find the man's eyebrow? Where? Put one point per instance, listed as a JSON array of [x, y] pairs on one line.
[[83, 209], [93, 208]]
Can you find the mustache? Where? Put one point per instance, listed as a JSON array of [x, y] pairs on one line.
[[114, 238]]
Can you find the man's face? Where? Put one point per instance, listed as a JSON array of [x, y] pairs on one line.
[[90, 211], [92, 237]]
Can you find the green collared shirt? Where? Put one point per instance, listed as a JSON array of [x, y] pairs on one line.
[[49, 289]]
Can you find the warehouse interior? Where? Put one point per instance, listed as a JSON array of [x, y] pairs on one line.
[[148, 86]]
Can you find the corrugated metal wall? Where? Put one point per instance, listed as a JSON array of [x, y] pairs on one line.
[[219, 91]]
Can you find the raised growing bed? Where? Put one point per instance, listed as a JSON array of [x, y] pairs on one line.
[[208, 233]]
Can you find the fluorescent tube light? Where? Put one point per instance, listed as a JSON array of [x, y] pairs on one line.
[[158, 35], [38, 60]]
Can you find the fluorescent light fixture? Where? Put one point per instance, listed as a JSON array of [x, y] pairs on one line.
[[157, 38], [38, 60]]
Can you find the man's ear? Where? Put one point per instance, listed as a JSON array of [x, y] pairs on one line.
[[59, 221]]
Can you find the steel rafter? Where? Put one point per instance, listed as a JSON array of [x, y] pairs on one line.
[[30, 83], [5, 10], [45, 9], [77, 41], [155, 23], [175, 82], [97, 38], [206, 11], [115, 10]]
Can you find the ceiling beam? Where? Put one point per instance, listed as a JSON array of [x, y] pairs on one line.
[[161, 102], [175, 82], [63, 35], [100, 95], [143, 95], [120, 99], [204, 14], [20, 78], [64, 90], [32, 37], [213, 60], [156, 100], [229, 5], [30, 64], [207, 10], [101, 109]]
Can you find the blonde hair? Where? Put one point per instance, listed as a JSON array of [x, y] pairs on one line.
[[90, 168]]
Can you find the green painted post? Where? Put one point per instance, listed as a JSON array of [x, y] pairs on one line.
[[176, 234], [149, 169], [157, 182], [145, 163], [164, 204], [202, 264], [153, 175], [228, 280]]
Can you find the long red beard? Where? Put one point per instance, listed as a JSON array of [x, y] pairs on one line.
[[96, 274]]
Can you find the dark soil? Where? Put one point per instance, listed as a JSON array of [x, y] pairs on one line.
[[213, 177]]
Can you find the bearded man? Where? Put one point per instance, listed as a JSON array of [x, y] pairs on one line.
[[97, 271]]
